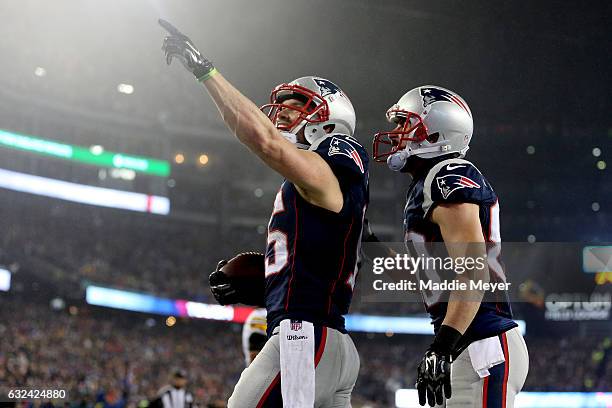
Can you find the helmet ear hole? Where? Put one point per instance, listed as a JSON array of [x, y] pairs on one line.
[[433, 138]]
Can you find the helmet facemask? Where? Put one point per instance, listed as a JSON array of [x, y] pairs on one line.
[[314, 112], [410, 128]]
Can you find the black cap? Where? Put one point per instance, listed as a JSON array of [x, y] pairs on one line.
[[179, 373]]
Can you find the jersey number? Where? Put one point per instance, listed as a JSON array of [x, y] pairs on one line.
[[277, 240], [276, 251]]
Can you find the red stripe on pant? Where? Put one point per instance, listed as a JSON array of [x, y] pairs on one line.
[[495, 386], [485, 387], [506, 355], [276, 379], [272, 385], [321, 349]]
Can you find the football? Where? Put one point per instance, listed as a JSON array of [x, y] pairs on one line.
[[246, 274], [245, 266]]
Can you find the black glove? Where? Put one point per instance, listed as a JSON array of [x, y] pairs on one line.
[[229, 291], [221, 286], [434, 372], [180, 46]]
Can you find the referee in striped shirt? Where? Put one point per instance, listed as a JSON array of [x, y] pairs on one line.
[[175, 394]]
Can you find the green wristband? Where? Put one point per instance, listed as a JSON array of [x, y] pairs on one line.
[[208, 75]]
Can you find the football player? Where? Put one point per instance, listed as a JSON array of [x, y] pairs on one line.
[[306, 135], [254, 334], [478, 357]]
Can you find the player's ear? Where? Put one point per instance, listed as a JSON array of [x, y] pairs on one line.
[[329, 128]]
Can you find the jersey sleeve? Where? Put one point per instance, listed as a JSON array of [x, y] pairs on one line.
[[346, 156], [456, 181], [349, 161]]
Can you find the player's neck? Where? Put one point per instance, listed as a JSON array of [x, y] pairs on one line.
[[415, 166], [418, 167]]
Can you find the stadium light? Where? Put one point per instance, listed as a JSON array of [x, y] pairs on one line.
[[125, 89], [40, 72], [203, 159], [5, 280], [96, 149]]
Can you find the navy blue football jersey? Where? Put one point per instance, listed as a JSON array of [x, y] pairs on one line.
[[459, 181], [311, 255]]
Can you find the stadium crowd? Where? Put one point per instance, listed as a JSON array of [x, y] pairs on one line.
[[113, 357], [99, 357], [124, 358]]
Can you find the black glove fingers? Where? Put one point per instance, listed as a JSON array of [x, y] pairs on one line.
[[173, 45], [174, 41], [447, 387], [434, 378], [217, 278], [439, 393], [421, 386], [171, 50], [430, 395], [178, 45], [170, 28]]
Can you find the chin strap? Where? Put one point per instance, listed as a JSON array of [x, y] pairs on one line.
[[292, 138], [397, 161]]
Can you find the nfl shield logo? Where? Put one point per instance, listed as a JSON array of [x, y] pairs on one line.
[[296, 325]]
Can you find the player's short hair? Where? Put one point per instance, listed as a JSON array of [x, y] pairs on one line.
[[257, 341]]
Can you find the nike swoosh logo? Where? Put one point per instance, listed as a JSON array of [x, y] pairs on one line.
[[450, 167]]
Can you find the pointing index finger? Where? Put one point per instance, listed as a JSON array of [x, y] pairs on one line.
[[169, 27]]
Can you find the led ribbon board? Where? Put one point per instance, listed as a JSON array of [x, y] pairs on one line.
[[83, 155], [121, 299], [139, 302], [80, 193]]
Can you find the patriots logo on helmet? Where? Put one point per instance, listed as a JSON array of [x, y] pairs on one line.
[[339, 146], [431, 95], [452, 182], [326, 87]]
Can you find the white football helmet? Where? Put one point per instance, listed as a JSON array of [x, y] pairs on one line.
[[324, 104], [431, 121]]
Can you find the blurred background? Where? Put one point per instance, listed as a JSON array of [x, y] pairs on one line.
[[116, 172]]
